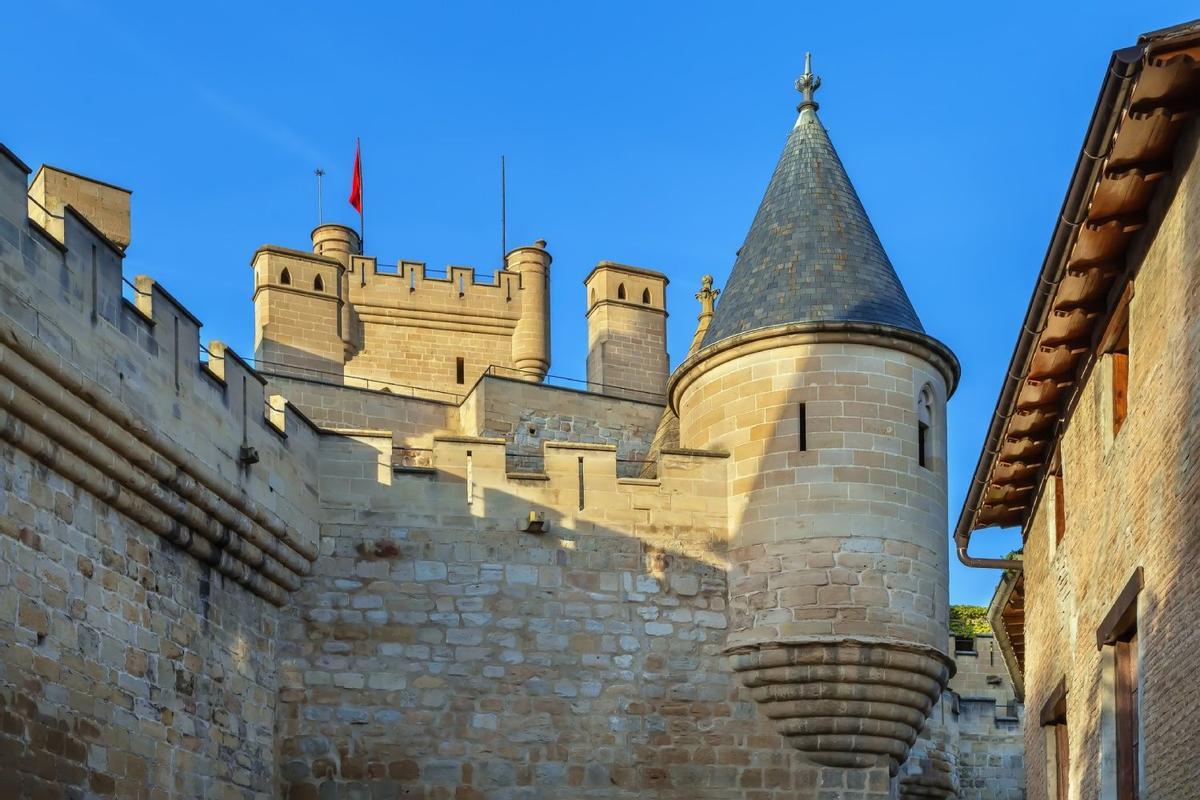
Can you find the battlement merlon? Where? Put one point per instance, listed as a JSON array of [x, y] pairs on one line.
[[103, 205], [468, 483]]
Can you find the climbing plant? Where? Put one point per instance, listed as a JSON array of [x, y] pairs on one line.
[[969, 621]]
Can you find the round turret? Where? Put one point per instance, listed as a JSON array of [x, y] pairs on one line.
[[531, 338], [816, 376], [336, 241]]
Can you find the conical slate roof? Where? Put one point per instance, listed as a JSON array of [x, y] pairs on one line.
[[812, 254]]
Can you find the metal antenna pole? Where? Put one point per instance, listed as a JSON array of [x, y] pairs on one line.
[[503, 216], [320, 173]]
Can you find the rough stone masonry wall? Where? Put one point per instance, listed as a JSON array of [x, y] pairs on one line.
[[1130, 501], [627, 352], [128, 668], [440, 652], [529, 414], [989, 742]]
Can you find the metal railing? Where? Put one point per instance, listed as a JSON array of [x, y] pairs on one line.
[[525, 462], [45, 210], [284, 370], [130, 291], [577, 384]]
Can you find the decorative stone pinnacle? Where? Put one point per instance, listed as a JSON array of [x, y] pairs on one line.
[[807, 84], [707, 295]]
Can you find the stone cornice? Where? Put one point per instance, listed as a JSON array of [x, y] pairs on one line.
[[868, 333]]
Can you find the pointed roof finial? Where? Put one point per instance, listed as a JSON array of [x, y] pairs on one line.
[[807, 84]]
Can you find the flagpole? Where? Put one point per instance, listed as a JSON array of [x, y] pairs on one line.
[[503, 216], [362, 205], [320, 212]]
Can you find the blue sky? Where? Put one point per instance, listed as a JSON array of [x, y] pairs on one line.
[[637, 132]]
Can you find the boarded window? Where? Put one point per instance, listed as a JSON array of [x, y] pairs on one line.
[[1120, 390], [1060, 507], [1114, 343], [1062, 760], [1128, 736], [1119, 630], [1054, 720]]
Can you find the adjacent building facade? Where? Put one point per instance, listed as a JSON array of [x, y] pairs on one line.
[[391, 560], [1092, 452]]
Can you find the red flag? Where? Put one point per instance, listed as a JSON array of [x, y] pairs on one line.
[[356, 186]]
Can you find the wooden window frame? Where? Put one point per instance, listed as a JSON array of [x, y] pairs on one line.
[[1114, 343], [1054, 715], [1119, 631], [1128, 737], [1060, 507]]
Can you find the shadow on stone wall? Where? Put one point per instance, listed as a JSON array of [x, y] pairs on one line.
[[441, 654]]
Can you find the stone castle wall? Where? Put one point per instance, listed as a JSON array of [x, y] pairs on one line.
[[627, 332], [1130, 501], [989, 742], [443, 652], [405, 329], [825, 505], [137, 633], [412, 326], [378, 601]]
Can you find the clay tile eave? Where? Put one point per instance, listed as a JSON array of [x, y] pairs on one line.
[[1149, 92]]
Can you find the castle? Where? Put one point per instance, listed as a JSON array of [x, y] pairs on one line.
[[391, 560]]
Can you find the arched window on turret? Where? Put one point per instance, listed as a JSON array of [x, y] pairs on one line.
[[620, 291], [924, 427], [285, 277], [318, 284], [593, 298], [646, 296]]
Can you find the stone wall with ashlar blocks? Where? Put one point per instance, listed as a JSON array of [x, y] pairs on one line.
[[840, 536], [137, 657], [441, 652]]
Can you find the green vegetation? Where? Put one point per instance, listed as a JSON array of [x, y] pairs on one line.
[[969, 621]]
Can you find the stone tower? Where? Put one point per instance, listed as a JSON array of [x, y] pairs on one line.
[[819, 380], [627, 331]]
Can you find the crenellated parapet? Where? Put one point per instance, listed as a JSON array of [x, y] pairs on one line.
[[469, 482], [119, 398], [337, 315]]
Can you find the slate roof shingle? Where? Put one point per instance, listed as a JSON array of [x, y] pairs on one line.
[[812, 254]]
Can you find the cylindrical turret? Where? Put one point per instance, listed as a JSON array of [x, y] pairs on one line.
[[531, 338], [818, 379], [336, 241], [837, 541]]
